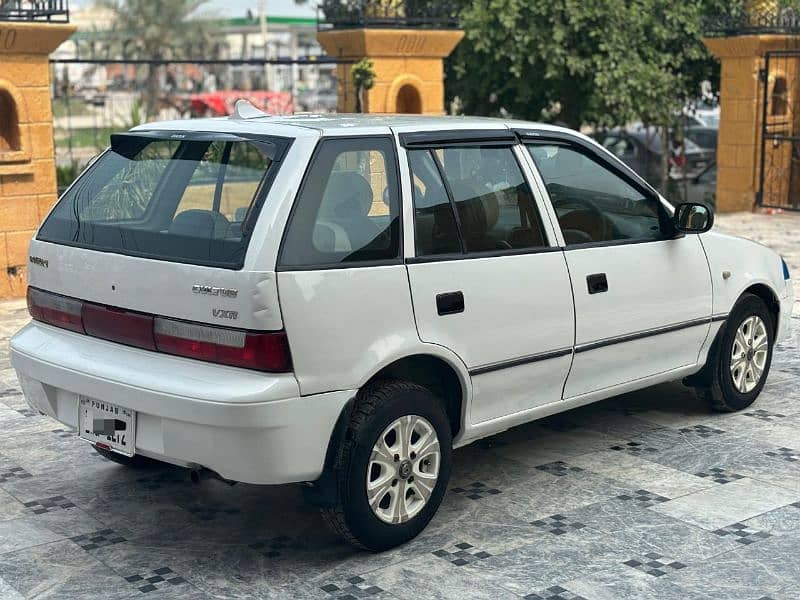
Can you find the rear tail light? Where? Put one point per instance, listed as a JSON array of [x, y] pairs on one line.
[[56, 310], [264, 351], [125, 327]]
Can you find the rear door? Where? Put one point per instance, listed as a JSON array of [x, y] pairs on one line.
[[487, 279], [642, 295], [342, 282]]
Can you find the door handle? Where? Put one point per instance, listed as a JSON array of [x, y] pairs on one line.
[[597, 283], [450, 303]]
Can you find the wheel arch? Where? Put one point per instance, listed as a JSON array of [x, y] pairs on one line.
[[445, 376], [436, 374], [770, 298]]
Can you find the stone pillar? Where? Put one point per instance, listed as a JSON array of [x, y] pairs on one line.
[[408, 63], [27, 154], [741, 90]]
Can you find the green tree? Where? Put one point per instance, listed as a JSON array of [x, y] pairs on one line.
[[158, 30], [599, 62], [363, 75]]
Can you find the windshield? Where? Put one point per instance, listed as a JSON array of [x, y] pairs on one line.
[[183, 197]]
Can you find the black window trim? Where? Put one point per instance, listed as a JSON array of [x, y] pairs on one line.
[[621, 170], [356, 264], [282, 144], [457, 137], [512, 143]]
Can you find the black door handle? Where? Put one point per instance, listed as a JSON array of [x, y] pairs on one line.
[[597, 283], [450, 303]]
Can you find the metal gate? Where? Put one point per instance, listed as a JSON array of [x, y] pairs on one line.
[[779, 184]]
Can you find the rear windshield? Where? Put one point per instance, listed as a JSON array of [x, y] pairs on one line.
[[186, 198]]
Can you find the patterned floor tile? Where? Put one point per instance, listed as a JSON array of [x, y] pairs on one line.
[[351, 588], [559, 468], [635, 448], [765, 415], [13, 473], [787, 454], [98, 539], [654, 564], [720, 475], [643, 498], [151, 581], [724, 505], [742, 534], [558, 524], [702, 431], [44, 505], [554, 593], [461, 553], [476, 491]]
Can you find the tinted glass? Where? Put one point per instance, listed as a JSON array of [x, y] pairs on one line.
[[496, 209], [592, 203], [348, 209], [171, 200], [435, 230]]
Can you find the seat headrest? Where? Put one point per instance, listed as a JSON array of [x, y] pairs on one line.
[[200, 223], [477, 210], [347, 195]]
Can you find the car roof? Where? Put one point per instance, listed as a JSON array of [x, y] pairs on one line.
[[338, 124]]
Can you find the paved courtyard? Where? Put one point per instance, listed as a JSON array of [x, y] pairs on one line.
[[646, 496]]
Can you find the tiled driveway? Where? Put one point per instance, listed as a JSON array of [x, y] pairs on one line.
[[646, 496]]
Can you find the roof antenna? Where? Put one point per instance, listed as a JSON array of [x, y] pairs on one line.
[[244, 109]]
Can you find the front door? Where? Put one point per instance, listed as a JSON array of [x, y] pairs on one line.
[[642, 296], [488, 282]]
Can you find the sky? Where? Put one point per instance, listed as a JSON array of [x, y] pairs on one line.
[[238, 8]]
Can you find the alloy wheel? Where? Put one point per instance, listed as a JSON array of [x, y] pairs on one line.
[[749, 354], [403, 469]]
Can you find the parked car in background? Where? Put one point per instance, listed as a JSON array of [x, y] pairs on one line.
[[703, 188], [704, 137], [640, 148], [342, 300]]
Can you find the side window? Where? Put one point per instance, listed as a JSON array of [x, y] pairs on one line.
[[592, 203], [435, 229], [348, 209], [495, 208]]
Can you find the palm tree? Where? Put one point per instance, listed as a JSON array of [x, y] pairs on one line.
[[158, 30]]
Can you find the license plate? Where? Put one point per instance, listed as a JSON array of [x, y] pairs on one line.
[[107, 425]]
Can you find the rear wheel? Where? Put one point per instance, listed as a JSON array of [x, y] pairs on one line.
[[394, 468], [742, 358]]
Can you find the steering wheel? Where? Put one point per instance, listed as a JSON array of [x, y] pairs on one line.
[[583, 206]]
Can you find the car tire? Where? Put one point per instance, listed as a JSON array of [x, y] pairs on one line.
[[136, 461], [381, 482], [741, 360]]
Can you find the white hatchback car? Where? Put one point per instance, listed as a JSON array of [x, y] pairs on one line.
[[342, 300]]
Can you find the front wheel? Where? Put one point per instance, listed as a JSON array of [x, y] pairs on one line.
[[394, 468], [741, 362]]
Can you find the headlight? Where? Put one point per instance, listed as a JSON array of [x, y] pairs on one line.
[[785, 269]]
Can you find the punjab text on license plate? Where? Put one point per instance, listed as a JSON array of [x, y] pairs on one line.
[[107, 424]]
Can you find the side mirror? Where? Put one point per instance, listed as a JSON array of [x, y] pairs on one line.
[[692, 217]]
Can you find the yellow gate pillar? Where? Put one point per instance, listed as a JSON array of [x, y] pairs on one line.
[[408, 64], [27, 155]]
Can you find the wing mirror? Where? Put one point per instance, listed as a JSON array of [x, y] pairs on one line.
[[693, 217]]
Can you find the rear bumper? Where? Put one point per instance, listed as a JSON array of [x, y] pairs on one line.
[[247, 426]]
